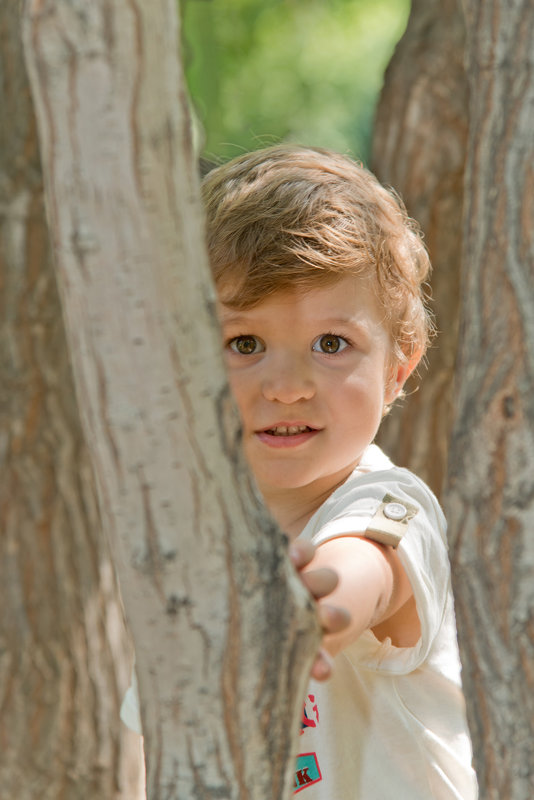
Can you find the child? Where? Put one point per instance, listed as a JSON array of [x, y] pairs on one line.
[[319, 273]]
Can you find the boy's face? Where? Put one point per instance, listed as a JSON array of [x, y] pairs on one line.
[[309, 371]]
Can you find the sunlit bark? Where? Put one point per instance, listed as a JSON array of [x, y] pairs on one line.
[[64, 655], [490, 500], [224, 632]]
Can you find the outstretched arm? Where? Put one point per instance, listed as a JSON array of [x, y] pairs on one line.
[[372, 587]]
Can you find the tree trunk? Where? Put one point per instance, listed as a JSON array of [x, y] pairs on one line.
[[421, 130], [490, 499], [64, 654], [224, 632], [419, 147]]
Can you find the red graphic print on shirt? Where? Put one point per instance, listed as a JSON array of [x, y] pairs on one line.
[[310, 714], [307, 771]]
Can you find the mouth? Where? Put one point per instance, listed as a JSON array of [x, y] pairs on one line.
[[288, 430], [287, 435]]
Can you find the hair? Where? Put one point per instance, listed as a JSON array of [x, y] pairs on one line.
[[289, 217]]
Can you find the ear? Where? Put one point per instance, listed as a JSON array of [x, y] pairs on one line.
[[399, 374]]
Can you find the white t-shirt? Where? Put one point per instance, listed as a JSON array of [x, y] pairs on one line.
[[390, 723]]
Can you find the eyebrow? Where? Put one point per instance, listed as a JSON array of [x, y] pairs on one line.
[[231, 317], [343, 320], [358, 325]]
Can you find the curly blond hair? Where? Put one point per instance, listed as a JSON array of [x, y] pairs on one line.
[[297, 217]]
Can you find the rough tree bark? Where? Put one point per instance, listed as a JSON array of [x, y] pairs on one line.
[[490, 495], [419, 147], [64, 655], [490, 499], [224, 632]]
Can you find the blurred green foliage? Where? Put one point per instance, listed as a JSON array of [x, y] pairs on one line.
[[262, 71]]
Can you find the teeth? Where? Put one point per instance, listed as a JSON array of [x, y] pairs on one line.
[[288, 430]]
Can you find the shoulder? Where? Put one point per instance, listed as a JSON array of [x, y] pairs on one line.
[[376, 480]]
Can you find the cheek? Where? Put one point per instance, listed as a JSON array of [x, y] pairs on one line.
[[366, 393], [369, 384]]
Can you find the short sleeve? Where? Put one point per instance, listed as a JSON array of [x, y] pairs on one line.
[[422, 552]]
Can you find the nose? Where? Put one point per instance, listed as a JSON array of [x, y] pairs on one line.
[[288, 379]]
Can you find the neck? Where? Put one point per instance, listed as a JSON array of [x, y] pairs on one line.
[[293, 508], [290, 516]]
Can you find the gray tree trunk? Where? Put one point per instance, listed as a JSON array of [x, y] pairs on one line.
[[64, 654], [419, 147], [224, 632], [490, 498]]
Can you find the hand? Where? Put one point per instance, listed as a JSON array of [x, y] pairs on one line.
[[320, 583]]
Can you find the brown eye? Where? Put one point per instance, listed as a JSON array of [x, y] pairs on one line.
[[329, 343], [246, 345]]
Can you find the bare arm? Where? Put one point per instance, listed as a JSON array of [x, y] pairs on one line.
[[372, 587]]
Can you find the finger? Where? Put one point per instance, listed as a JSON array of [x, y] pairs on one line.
[[301, 553], [319, 582], [322, 666], [333, 619]]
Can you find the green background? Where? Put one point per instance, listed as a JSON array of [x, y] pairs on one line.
[[308, 71]]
